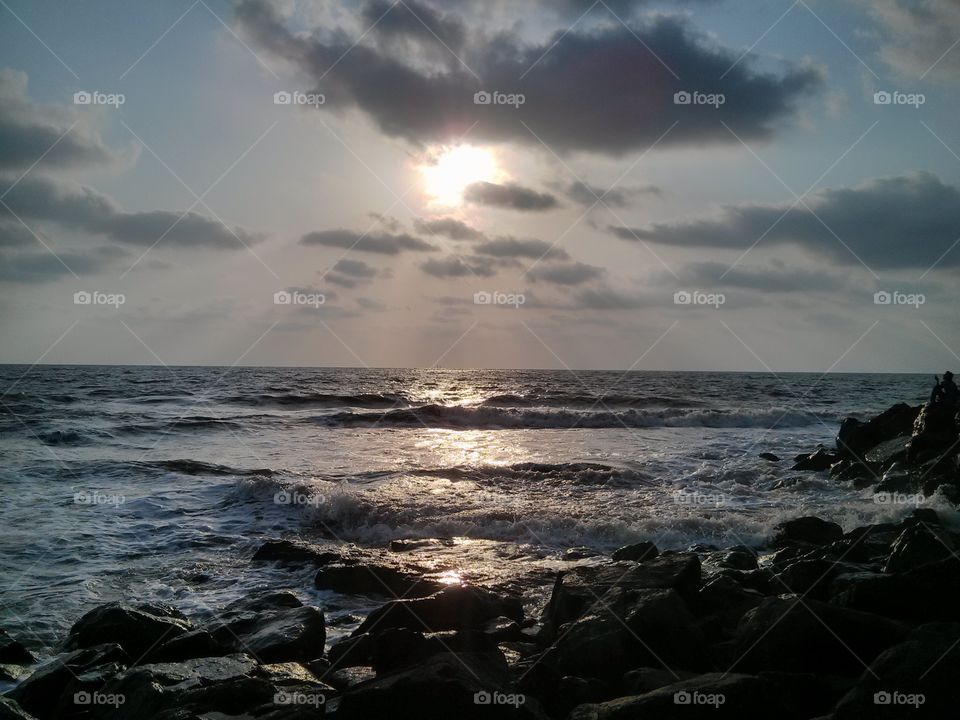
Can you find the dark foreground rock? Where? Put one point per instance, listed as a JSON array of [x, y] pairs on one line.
[[811, 530], [137, 629]]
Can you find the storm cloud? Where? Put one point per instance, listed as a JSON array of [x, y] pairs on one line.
[[509, 196]]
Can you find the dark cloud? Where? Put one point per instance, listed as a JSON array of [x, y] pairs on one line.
[[355, 268], [509, 247], [448, 227], [907, 221], [588, 195], [606, 89], [570, 274], [609, 299], [414, 21], [81, 208], [380, 244], [455, 267], [15, 235], [29, 132], [42, 266], [774, 278], [509, 196]]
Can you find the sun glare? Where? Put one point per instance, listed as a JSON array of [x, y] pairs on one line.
[[455, 169]]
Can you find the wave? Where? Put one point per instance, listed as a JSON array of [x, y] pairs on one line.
[[295, 400], [460, 418], [560, 400]]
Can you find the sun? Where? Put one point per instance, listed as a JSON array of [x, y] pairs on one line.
[[454, 169]]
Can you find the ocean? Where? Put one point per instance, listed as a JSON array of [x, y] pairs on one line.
[[157, 484]]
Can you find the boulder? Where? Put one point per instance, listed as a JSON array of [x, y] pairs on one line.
[[14, 652], [579, 553], [917, 545], [811, 530], [769, 457], [856, 438], [421, 544], [137, 629], [924, 594], [817, 461], [367, 579], [812, 695], [713, 696], [453, 608], [638, 552], [9, 710], [648, 679], [720, 605], [274, 636], [737, 558], [786, 634], [810, 578], [353, 651], [291, 551], [915, 679], [194, 644], [934, 433]]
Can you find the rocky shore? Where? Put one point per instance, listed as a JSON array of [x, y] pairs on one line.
[[818, 623]]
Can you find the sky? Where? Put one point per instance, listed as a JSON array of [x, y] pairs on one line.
[[620, 184]]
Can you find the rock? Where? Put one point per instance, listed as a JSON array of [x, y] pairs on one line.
[[808, 529], [14, 652], [856, 438], [918, 545], [810, 578], [290, 551], [352, 651], [638, 552], [720, 605], [924, 594], [577, 590], [915, 679], [786, 635], [273, 636], [889, 451], [896, 480], [817, 461], [811, 694], [769, 457], [629, 628], [716, 696], [442, 687], [644, 680], [366, 579], [9, 710], [345, 678], [40, 694], [429, 543], [453, 608], [194, 644], [572, 691], [137, 629], [934, 433], [738, 558], [579, 553]]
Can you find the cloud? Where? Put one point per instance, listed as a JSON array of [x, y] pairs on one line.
[[78, 207], [58, 135], [571, 274], [905, 221], [574, 101], [774, 278], [589, 195], [415, 22], [15, 235], [455, 267], [380, 244], [448, 227], [609, 299], [509, 196], [42, 266], [355, 268], [509, 247]]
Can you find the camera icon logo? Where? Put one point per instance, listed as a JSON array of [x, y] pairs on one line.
[[682, 697], [482, 98], [882, 698], [82, 97], [682, 98], [882, 297], [283, 498], [282, 297], [682, 297], [482, 298], [482, 698], [82, 297], [282, 98], [882, 97]]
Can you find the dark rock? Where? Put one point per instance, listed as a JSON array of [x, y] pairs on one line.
[[345, 678], [810, 694], [138, 630], [889, 451], [194, 644], [12, 673], [809, 529], [896, 480], [720, 605], [738, 558], [290, 551], [817, 461], [366, 579], [934, 433], [13, 651], [572, 691], [638, 552], [915, 679], [856, 438], [579, 553], [769, 457], [9, 710], [40, 693], [918, 545], [716, 696], [275, 635], [352, 651], [810, 578], [454, 608], [786, 635], [503, 629], [925, 594], [644, 680], [759, 580]]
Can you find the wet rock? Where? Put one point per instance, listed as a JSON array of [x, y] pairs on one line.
[[817, 461], [290, 551], [889, 451], [918, 545], [194, 644], [896, 480], [717, 696], [770, 457], [273, 636], [738, 558], [579, 553], [856, 438], [782, 634], [367, 579], [810, 694], [572, 691], [425, 544], [720, 605], [40, 694], [9, 710], [810, 578], [808, 529], [13, 651], [637, 552], [345, 678], [137, 629], [934, 433], [453, 608], [924, 594], [648, 679]]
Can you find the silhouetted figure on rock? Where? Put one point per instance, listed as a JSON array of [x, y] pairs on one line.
[[945, 391], [935, 429]]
